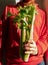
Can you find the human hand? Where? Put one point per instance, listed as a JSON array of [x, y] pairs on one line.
[[30, 48]]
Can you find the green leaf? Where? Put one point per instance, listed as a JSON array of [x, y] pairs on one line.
[[9, 14]]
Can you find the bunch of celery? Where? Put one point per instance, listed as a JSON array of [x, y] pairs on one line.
[[25, 20]]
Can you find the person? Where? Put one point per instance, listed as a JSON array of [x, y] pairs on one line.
[[11, 37]]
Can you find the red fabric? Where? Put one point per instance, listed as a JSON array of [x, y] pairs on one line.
[[11, 38], [46, 53]]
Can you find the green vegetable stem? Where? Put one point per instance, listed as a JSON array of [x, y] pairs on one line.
[[25, 20]]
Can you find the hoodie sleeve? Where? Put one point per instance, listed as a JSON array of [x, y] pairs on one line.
[[4, 32], [6, 21], [42, 42]]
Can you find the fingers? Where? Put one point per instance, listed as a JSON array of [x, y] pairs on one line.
[[31, 45], [31, 52], [30, 48]]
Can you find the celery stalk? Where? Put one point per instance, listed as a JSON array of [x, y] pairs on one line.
[[22, 40], [25, 34], [25, 18]]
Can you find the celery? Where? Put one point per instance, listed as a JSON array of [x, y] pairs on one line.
[[25, 36], [25, 19]]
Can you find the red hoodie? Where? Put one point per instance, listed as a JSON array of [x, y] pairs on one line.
[[11, 38]]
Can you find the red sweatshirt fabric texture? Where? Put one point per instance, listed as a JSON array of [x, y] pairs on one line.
[[11, 38], [46, 53]]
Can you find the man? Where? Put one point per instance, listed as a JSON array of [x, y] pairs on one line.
[[11, 37]]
